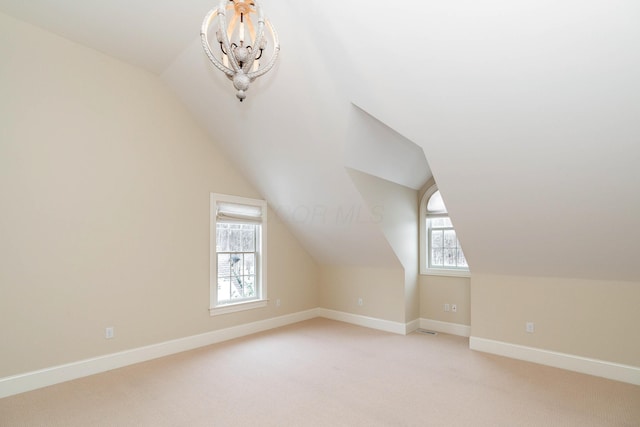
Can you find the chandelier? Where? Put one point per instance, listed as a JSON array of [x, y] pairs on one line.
[[243, 55]]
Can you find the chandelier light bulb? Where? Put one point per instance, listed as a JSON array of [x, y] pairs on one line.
[[248, 45]]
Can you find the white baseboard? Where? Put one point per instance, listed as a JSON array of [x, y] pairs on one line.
[[411, 326], [57, 374], [369, 322], [600, 368], [446, 327]]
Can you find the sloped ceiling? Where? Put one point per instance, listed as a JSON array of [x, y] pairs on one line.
[[528, 114], [378, 150]]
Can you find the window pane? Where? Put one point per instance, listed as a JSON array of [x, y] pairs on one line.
[[249, 238], [224, 265], [224, 289], [232, 237], [249, 286], [462, 261], [435, 203], [443, 222], [235, 237], [236, 264], [222, 238], [249, 264], [450, 240], [437, 239], [437, 257], [237, 286], [450, 257], [243, 287]]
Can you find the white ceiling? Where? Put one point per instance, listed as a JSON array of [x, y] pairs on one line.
[[528, 113]]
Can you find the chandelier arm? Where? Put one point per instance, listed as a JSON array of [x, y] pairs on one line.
[[205, 44], [252, 29], [234, 21], [254, 50], [257, 40], [274, 56], [225, 40]]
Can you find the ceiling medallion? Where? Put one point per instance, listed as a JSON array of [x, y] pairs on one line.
[[246, 50]]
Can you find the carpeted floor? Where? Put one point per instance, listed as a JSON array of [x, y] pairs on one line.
[[326, 373]]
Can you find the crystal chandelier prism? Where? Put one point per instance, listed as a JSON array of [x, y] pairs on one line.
[[248, 44]]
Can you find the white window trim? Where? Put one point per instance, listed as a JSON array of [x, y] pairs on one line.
[[425, 270], [261, 275]]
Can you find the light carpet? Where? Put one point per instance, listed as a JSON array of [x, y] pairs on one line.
[[326, 373]]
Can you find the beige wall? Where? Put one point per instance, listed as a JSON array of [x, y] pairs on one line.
[[436, 291], [380, 289], [104, 192], [589, 318], [398, 221]]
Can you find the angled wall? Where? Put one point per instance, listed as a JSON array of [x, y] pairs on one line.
[[396, 210]]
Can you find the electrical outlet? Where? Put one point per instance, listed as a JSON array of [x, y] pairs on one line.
[[278, 302], [530, 327], [447, 307], [109, 332], [454, 308], [360, 301]]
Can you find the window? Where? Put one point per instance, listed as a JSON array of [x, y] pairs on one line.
[[238, 256], [441, 250]]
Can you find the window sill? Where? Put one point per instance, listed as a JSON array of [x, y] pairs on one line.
[[447, 273], [241, 306]]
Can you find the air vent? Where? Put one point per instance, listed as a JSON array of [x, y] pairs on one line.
[[426, 332]]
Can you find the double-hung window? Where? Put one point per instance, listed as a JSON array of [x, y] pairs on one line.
[[441, 250], [238, 253]]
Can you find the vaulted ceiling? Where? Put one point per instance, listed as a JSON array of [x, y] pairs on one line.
[[526, 113]]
